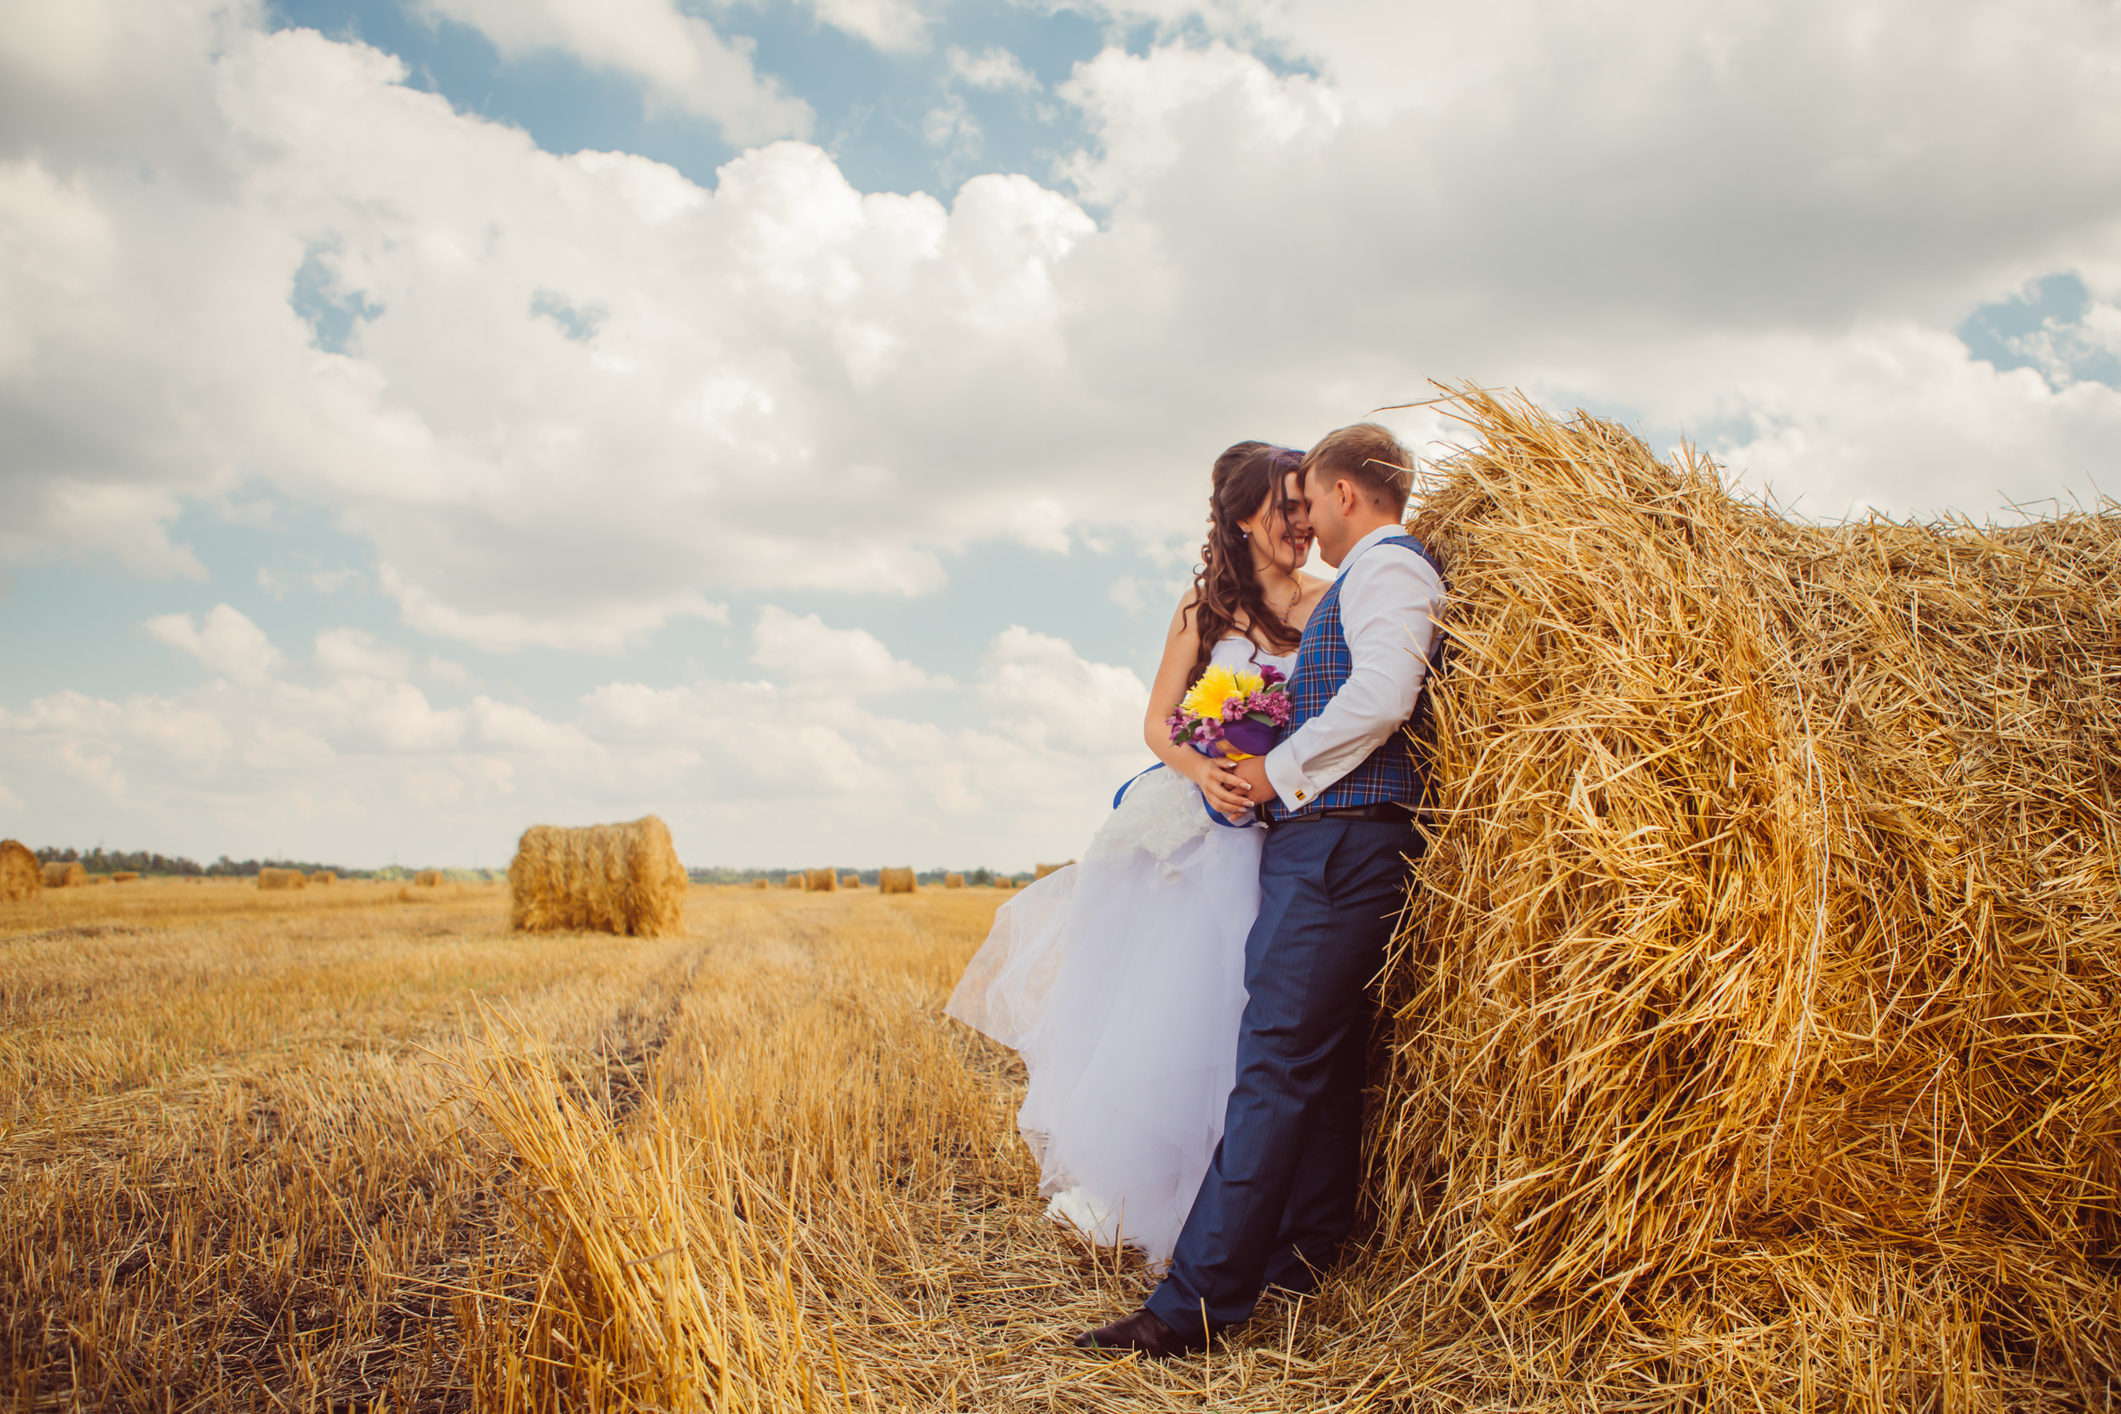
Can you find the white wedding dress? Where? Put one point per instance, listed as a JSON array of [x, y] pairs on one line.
[[1121, 980]]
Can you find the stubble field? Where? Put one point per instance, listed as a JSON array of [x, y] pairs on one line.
[[361, 1147]]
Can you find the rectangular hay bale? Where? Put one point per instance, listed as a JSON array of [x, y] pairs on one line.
[[21, 877], [623, 879]]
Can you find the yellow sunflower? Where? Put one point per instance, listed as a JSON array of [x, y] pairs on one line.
[[1217, 686]]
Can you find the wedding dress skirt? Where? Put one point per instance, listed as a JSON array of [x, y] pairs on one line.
[[1121, 981]]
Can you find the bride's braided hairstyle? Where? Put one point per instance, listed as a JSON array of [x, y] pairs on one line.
[[1226, 591]]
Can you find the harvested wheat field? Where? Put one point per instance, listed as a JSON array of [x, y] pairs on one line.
[[367, 1145]]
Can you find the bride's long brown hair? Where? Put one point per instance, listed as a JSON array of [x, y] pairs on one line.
[[1226, 588]]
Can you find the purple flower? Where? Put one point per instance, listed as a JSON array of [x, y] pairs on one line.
[[1270, 675]]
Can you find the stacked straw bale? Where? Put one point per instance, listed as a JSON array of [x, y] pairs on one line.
[[953, 881], [282, 879], [428, 879], [895, 881], [821, 881], [21, 876], [1755, 1030], [623, 879], [67, 875]]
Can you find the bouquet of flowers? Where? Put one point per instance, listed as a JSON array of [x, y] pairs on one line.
[[1232, 714]]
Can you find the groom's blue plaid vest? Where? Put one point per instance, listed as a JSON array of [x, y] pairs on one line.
[[1391, 772]]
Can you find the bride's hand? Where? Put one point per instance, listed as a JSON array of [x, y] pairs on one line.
[[1220, 784]]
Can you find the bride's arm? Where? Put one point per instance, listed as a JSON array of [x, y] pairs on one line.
[[1211, 774]]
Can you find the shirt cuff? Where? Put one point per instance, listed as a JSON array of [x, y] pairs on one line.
[[1288, 779]]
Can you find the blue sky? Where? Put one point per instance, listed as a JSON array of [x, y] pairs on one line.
[[421, 420]]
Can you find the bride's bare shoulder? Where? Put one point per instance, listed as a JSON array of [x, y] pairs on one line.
[[1183, 620]]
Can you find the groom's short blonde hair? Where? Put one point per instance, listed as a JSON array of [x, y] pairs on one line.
[[1371, 458]]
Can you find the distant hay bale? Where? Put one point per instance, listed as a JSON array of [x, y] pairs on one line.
[[125, 876], [760, 884], [896, 881], [21, 877], [820, 881], [850, 881], [953, 881], [623, 879], [795, 880], [1045, 869], [99, 878], [282, 879], [1762, 980], [323, 876], [428, 878]]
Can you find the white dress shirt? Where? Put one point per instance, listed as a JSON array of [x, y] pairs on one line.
[[1390, 600]]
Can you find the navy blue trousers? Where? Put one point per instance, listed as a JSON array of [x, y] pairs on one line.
[[1279, 1196]]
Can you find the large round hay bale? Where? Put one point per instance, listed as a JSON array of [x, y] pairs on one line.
[[1045, 869], [623, 879], [21, 877], [428, 878], [761, 884], [896, 881], [795, 879], [323, 876], [850, 881], [282, 879], [953, 881], [820, 881], [66, 874], [1762, 982]]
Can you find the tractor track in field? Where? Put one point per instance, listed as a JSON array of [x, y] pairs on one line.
[[635, 1039]]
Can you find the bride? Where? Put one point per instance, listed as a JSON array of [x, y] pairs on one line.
[[1120, 980]]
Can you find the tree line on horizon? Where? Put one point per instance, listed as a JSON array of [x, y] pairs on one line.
[[102, 861]]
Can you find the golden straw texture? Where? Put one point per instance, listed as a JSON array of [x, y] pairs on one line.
[[622, 879], [895, 881], [1754, 1022], [21, 877], [428, 878], [821, 881], [282, 879], [953, 881], [850, 881], [323, 876], [69, 875]]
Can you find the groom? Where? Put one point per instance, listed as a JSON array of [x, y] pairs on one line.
[[1336, 796]]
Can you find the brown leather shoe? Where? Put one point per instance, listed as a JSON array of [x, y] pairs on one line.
[[1142, 1331]]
